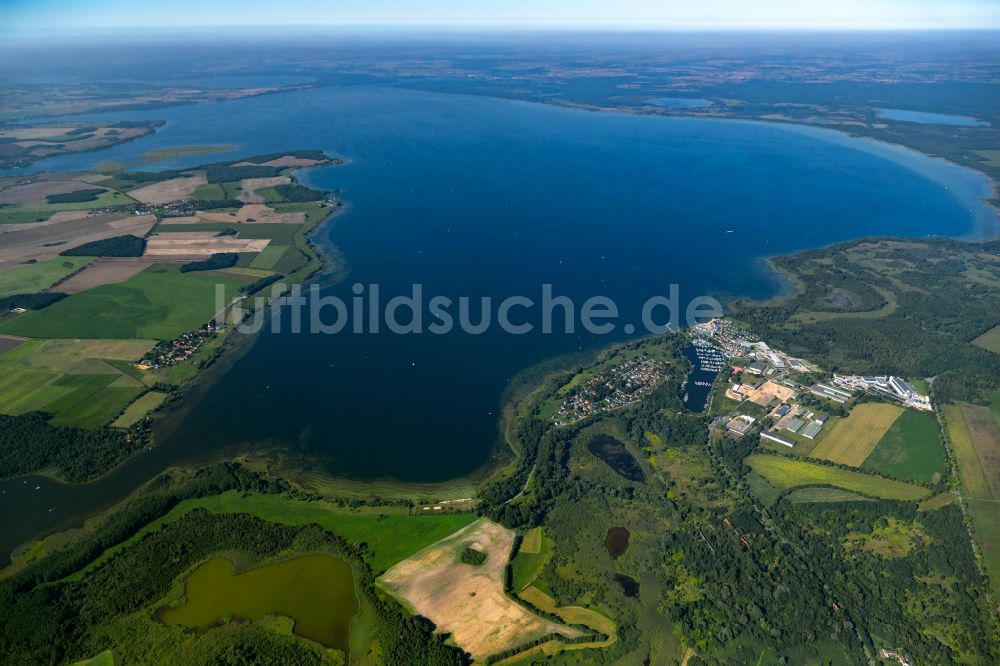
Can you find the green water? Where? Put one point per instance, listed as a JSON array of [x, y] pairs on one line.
[[317, 591]]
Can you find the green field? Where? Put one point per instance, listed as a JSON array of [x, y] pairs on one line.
[[852, 440], [787, 473], [138, 409], [911, 449], [70, 379], [391, 534], [990, 340], [32, 278], [268, 257], [38, 212], [986, 521], [526, 566], [160, 303], [83, 401]]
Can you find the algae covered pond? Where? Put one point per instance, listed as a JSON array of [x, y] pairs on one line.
[[316, 591]]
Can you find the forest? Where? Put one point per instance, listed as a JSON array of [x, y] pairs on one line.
[[913, 309]]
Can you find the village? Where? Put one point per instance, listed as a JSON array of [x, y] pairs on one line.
[[171, 352], [770, 401], [620, 386]]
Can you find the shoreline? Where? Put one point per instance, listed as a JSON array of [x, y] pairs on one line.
[[504, 451]]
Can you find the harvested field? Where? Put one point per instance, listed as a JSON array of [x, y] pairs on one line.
[[168, 190], [44, 240], [253, 213], [853, 439], [286, 161], [167, 245], [104, 271], [978, 451], [469, 601], [249, 187]]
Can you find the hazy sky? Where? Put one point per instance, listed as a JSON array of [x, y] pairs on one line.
[[41, 15]]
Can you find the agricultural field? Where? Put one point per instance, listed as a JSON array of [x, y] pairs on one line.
[[23, 144], [32, 278], [160, 303], [534, 553], [975, 436], [990, 340], [469, 601], [852, 440], [71, 379], [911, 449], [787, 473], [138, 409]]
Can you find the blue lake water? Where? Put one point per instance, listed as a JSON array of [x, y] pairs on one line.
[[931, 118], [474, 196]]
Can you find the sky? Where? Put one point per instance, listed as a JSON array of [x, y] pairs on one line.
[[44, 15]]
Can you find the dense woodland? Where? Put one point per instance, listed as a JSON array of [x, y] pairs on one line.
[[116, 246], [29, 443], [216, 261], [915, 306]]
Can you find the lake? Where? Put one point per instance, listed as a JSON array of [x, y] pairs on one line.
[[316, 591], [476, 196]]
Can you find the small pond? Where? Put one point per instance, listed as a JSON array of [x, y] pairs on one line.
[[617, 457], [617, 541]]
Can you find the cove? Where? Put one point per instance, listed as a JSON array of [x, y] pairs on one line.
[[476, 196]]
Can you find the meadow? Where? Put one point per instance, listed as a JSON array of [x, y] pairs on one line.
[[911, 449], [974, 431], [853, 439], [787, 473], [32, 278], [990, 340], [138, 409], [534, 553], [160, 303], [391, 534]]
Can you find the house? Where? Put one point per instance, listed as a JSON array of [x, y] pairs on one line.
[[781, 411]]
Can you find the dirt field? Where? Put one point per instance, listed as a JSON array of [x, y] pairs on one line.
[[168, 190], [469, 601], [251, 213], [44, 240], [37, 191], [767, 392], [104, 271], [198, 243], [853, 439], [286, 161], [8, 342], [249, 187]]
